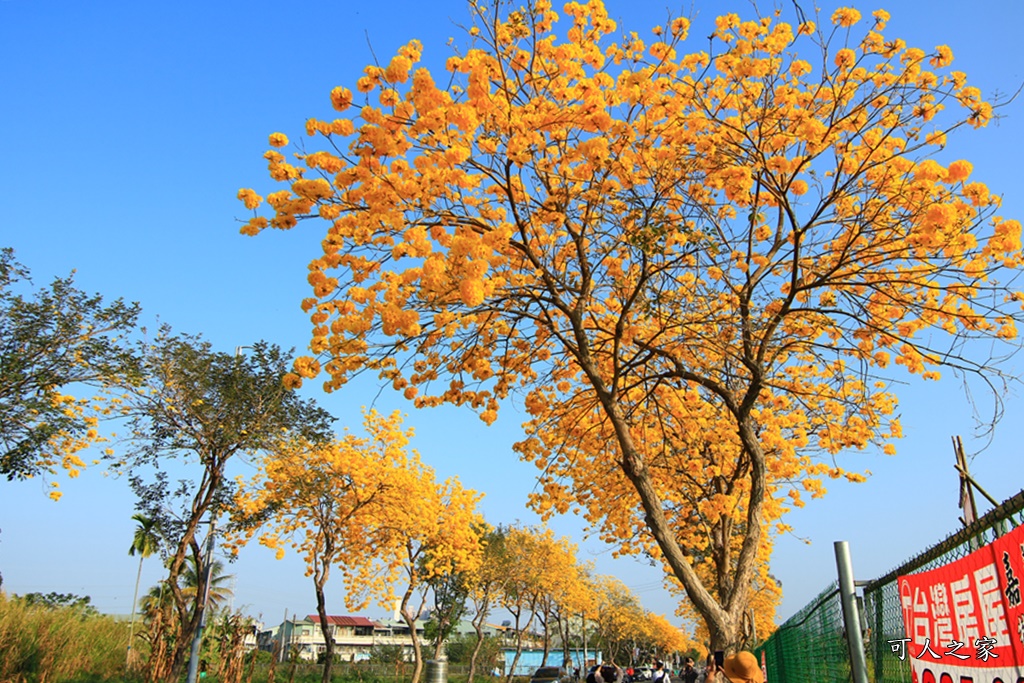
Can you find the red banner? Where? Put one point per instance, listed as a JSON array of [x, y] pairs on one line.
[[964, 621]]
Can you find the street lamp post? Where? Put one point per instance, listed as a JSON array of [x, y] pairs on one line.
[[193, 660]]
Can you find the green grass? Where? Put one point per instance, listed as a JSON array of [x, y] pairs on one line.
[[58, 645], [63, 645], [305, 672]]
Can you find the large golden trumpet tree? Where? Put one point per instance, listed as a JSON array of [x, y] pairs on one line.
[[699, 269]]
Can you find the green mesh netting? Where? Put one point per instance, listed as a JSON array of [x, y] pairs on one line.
[[810, 647]]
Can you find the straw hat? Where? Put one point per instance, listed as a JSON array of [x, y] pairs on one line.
[[742, 667]]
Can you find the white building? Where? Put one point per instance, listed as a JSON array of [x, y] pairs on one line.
[[354, 637]]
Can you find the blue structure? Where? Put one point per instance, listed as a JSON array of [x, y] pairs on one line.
[[530, 659]]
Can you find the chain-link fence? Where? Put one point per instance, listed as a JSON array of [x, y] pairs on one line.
[[810, 647]]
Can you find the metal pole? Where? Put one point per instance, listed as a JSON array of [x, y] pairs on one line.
[[280, 637], [851, 618], [193, 660], [586, 659]]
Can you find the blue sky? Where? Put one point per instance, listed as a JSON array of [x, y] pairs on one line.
[[129, 128]]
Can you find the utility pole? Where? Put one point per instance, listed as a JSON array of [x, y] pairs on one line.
[[280, 636], [968, 486], [967, 503]]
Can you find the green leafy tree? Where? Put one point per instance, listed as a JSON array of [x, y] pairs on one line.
[[461, 649], [387, 654], [451, 591], [51, 339], [54, 600], [196, 410]]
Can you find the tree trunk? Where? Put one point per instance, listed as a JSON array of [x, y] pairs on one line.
[[189, 619], [547, 640], [563, 631], [410, 621], [478, 626], [586, 656], [519, 644], [325, 629], [722, 621], [442, 624], [476, 653]]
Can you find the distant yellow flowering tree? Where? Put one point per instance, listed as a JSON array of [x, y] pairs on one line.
[[435, 531], [558, 574], [534, 564], [485, 585], [700, 268], [667, 639], [620, 620], [367, 506], [567, 598], [329, 502]]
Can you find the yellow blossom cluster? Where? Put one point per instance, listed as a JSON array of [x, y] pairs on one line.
[[79, 431]]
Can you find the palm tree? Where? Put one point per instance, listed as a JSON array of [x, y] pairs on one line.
[[158, 596], [218, 591], [145, 542]]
